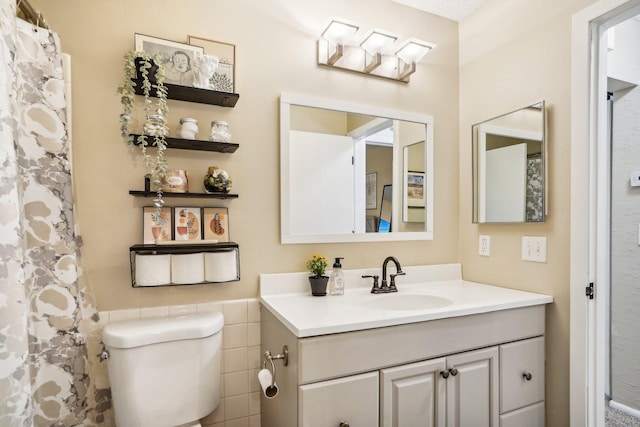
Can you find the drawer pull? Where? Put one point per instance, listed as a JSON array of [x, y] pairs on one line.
[[343, 424], [445, 374], [453, 371], [527, 376]]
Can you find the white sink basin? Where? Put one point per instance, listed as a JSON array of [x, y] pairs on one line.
[[400, 301]]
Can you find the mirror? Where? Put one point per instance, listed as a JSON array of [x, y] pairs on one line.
[[509, 161], [336, 159]]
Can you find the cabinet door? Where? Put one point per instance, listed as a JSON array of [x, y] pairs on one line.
[[351, 400], [413, 395], [472, 393], [529, 416]]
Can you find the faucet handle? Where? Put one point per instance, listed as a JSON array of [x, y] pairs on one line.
[[392, 286], [374, 289]]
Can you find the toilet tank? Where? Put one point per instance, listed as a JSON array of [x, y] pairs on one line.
[[164, 371]]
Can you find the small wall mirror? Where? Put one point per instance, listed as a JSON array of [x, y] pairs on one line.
[[509, 162], [338, 165]]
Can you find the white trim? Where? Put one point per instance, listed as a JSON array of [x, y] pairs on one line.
[[624, 408]]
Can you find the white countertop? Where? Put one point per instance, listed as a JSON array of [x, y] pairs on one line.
[[289, 298]]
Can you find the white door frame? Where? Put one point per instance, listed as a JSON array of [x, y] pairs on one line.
[[590, 205]]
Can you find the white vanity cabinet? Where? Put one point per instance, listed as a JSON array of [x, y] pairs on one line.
[[395, 375]]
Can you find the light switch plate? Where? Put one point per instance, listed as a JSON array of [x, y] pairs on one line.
[[534, 248], [484, 245]]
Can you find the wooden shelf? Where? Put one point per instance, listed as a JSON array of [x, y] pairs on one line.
[[193, 144], [165, 194], [193, 94]]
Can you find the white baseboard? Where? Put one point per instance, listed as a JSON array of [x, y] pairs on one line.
[[624, 408]]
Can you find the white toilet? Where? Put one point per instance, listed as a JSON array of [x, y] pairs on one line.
[[164, 372]]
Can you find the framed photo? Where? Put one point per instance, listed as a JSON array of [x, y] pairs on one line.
[[187, 223], [216, 224], [224, 78], [155, 231], [372, 190], [414, 191], [178, 58]]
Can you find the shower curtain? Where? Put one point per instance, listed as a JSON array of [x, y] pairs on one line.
[[45, 316]]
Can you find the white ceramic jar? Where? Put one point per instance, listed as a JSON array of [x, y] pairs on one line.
[[188, 129], [220, 131]]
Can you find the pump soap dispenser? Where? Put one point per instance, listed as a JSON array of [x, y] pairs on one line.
[[336, 283]]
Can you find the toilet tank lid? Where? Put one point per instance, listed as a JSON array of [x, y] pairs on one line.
[[139, 332]]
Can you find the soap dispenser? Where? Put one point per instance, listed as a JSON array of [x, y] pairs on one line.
[[336, 283]]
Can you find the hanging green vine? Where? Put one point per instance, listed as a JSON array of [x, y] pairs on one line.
[[155, 126]]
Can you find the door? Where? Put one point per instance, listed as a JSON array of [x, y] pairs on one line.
[[472, 389], [413, 395], [324, 193]]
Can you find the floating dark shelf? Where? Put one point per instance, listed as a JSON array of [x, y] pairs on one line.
[[194, 144], [183, 248], [140, 193], [193, 94]]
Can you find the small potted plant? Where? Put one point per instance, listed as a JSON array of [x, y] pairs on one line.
[[317, 265], [151, 70]]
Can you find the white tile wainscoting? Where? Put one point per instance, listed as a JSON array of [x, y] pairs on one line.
[[240, 391]]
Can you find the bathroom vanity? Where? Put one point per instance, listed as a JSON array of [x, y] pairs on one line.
[[442, 351]]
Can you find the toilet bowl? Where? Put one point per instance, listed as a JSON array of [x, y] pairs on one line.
[[164, 372]]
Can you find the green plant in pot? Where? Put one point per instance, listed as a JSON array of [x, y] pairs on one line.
[[151, 73], [317, 265]]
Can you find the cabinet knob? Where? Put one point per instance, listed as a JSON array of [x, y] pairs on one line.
[[453, 371], [445, 374], [343, 424], [527, 376]]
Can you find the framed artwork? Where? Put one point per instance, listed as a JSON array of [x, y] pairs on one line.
[[372, 190], [224, 77], [216, 224], [414, 191], [187, 223], [178, 58], [155, 231]]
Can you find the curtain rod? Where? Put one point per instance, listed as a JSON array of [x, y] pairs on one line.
[[30, 14]]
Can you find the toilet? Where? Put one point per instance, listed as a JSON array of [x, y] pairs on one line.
[[164, 372]]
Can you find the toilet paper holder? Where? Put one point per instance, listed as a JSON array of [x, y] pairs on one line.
[[269, 357]]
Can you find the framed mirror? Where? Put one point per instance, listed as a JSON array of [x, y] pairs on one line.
[[336, 159], [509, 167]]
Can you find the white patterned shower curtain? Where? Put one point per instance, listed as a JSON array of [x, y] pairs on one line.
[[45, 318]]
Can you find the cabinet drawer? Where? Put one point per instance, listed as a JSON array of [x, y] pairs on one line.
[[518, 361], [529, 416], [353, 400]]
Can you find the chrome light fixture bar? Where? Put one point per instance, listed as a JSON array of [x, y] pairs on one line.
[[337, 49]]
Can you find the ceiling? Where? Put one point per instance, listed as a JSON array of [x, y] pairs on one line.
[[452, 9]]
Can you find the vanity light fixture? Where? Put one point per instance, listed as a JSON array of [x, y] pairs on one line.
[[336, 48]]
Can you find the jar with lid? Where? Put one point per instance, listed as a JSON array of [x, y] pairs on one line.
[[154, 126], [188, 129], [220, 131]]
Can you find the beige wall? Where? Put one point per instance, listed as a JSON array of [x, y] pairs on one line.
[[275, 48], [513, 53]]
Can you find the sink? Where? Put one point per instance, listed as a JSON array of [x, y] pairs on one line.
[[399, 301]]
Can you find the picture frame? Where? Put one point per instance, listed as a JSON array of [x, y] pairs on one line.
[[224, 78], [216, 224], [371, 190], [187, 222], [414, 189], [178, 58], [152, 232]]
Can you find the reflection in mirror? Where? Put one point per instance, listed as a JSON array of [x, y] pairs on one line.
[[337, 158], [509, 167], [386, 205]]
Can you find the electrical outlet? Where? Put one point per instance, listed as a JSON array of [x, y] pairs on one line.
[[534, 248], [484, 245]]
